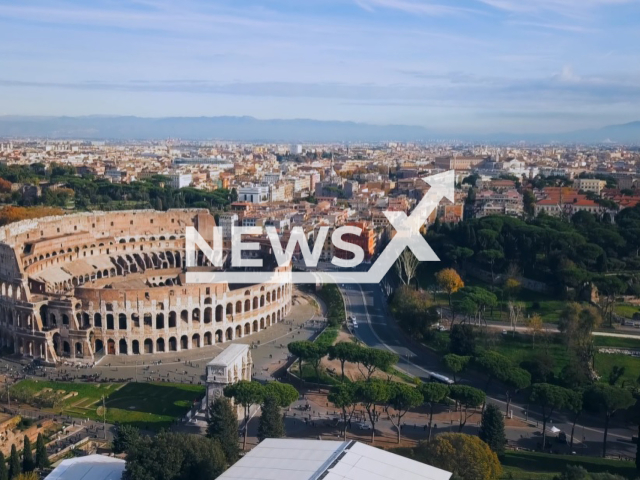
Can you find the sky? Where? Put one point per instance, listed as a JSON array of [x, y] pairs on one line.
[[452, 66]]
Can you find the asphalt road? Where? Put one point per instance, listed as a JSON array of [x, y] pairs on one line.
[[377, 329]]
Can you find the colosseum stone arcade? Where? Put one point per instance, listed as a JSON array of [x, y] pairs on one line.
[[80, 286]]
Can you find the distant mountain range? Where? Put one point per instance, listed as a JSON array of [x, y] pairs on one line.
[[249, 129]]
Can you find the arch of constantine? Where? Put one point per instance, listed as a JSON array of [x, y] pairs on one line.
[[82, 285]]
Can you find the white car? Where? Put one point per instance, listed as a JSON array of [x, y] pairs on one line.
[[355, 323], [364, 426]]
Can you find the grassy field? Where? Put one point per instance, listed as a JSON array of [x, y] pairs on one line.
[[601, 341], [521, 348], [626, 310], [543, 466], [146, 405], [606, 361], [151, 405]]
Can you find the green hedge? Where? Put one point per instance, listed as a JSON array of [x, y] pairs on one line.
[[326, 338], [331, 296]]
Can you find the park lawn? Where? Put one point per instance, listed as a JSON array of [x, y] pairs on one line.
[[619, 342], [626, 310], [145, 405], [521, 348], [151, 405], [544, 466], [606, 361]]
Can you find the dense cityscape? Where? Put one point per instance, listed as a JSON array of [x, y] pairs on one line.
[[518, 350], [320, 240]]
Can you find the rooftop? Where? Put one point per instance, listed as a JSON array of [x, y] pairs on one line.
[[284, 459]]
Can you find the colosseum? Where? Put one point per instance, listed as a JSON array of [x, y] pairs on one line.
[[81, 286]]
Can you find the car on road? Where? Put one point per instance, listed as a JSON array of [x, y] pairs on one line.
[[355, 323], [364, 426]]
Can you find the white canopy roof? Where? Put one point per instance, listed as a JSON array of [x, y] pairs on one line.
[[91, 467], [288, 459]]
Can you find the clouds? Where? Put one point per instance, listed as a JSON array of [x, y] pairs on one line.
[[385, 61]]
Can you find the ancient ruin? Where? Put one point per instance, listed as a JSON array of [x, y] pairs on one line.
[[84, 285]]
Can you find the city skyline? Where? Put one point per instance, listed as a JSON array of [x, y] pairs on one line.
[[476, 66]]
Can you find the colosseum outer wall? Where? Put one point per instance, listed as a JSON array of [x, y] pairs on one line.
[[113, 283]]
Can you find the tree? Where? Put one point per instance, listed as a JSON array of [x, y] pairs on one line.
[[493, 365], [406, 266], [314, 354], [373, 359], [462, 340], [449, 281], [247, 394], [455, 363], [609, 287], [370, 394], [310, 352], [124, 438], [402, 398], [28, 465], [175, 456], [284, 393], [344, 352], [271, 420], [490, 257], [413, 310], [515, 314], [573, 403], [298, 349], [15, 468], [577, 323], [344, 397], [534, 326], [433, 393], [42, 458], [222, 425], [4, 474], [549, 398], [511, 287], [466, 397], [615, 374], [606, 399], [516, 379], [492, 429], [466, 456]]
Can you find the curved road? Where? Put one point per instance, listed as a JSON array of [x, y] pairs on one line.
[[368, 304]]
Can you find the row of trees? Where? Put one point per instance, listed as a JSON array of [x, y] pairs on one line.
[[28, 464], [271, 396], [368, 360]]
